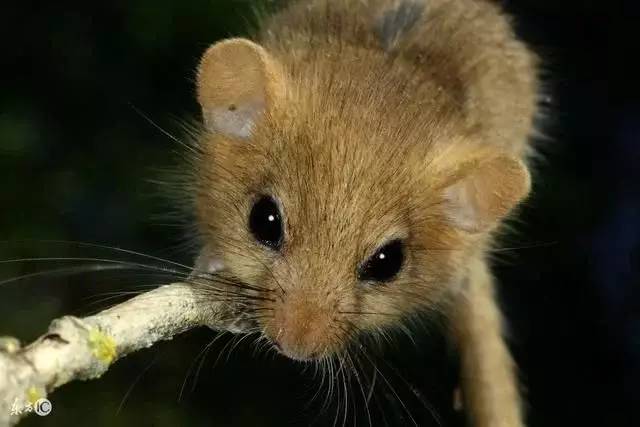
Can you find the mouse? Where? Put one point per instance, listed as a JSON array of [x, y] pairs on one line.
[[356, 162]]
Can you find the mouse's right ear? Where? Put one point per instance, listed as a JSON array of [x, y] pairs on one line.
[[238, 81]]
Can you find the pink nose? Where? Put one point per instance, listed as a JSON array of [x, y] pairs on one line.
[[301, 329]]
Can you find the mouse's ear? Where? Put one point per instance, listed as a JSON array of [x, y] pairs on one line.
[[237, 82], [487, 193]]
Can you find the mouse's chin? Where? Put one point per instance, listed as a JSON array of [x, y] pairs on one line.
[[299, 354], [300, 357]]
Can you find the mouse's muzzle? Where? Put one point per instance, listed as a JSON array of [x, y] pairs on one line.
[[303, 326]]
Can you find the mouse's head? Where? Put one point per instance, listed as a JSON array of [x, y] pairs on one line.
[[340, 207]]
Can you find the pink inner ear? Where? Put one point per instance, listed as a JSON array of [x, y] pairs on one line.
[[236, 120], [481, 199], [463, 206]]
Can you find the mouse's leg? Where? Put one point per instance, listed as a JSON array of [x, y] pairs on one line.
[[488, 378]]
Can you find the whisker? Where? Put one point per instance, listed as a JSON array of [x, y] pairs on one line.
[[101, 246], [88, 259], [124, 265], [193, 363], [355, 372], [426, 404], [164, 132], [373, 313], [68, 271], [135, 382], [532, 246], [391, 388]]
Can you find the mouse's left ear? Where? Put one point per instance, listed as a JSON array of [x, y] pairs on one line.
[[487, 193], [237, 82]]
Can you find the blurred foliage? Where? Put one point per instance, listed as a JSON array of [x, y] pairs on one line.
[[77, 160]]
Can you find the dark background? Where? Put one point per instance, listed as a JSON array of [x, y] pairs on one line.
[[77, 161]]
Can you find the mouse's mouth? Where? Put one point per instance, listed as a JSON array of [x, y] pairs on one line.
[[307, 340], [297, 324], [299, 353], [295, 341]]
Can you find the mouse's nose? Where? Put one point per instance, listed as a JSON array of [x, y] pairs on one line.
[[301, 328]]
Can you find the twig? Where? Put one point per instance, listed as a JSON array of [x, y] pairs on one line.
[[84, 348]]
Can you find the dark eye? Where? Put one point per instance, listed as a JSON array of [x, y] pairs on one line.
[[384, 264], [265, 222]]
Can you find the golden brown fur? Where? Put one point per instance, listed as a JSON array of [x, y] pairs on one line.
[[371, 120]]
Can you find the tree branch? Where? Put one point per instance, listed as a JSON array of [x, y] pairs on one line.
[[84, 348]]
